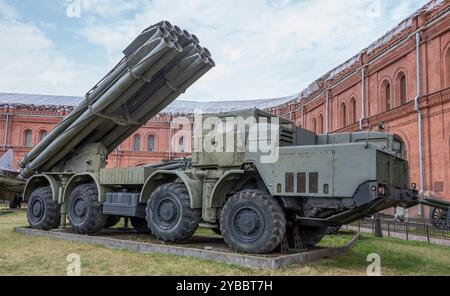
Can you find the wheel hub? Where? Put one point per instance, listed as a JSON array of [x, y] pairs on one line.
[[37, 208], [167, 213], [80, 208], [248, 224]]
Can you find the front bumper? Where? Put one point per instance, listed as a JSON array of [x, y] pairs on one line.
[[374, 197], [384, 196], [405, 198]]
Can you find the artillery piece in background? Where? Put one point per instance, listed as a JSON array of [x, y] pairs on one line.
[[439, 210], [10, 185], [256, 201]]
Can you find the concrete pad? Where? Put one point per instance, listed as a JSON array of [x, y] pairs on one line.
[[4, 212], [245, 260]]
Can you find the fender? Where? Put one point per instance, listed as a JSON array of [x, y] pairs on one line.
[[40, 181], [160, 177], [82, 178], [268, 183], [228, 182]]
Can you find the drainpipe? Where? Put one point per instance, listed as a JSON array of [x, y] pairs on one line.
[[170, 138], [303, 117], [6, 129], [419, 116], [327, 107], [363, 97], [117, 157]]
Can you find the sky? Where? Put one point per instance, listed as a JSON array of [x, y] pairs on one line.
[[262, 48]]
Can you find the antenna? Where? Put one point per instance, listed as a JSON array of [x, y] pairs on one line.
[[368, 135]]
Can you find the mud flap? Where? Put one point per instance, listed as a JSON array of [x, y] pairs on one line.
[[292, 240]]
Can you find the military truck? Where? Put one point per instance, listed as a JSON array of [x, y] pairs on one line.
[[256, 179]]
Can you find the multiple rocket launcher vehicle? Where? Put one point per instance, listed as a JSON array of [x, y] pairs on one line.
[[317, 181]]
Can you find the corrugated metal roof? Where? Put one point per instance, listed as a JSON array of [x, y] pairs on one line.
[[187, 107], [223, 106], [38, 100]]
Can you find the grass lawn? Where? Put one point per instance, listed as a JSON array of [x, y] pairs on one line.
[[23, 255]]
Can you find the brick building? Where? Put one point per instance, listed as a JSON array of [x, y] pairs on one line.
[[400, 82], [26, 119]]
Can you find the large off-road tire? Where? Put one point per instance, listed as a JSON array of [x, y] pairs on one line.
[[252, 221], [140, 225], [112, 221], [84, 209], [169, 213], [43, 212]]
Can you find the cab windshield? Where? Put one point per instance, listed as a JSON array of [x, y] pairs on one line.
[[397, 147], [383, 144]]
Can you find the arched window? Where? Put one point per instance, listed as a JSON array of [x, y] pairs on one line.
[[27, 138], [402, 90], [181, 144], [137, 142], [385, 93], [42, 135], [314, 125], [321, 124], [343, 115], [353, 118], [399, 147], [151, 143], [447, 68]]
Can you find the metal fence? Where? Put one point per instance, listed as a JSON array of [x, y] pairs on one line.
[[4, 203], [390, 227]]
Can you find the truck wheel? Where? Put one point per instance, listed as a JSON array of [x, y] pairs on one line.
[[169, 213], [112, 221], [140, 225], [85, 212], [43, 212], [252, 221]]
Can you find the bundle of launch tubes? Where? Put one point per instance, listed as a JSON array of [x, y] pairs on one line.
[[157, 67]]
